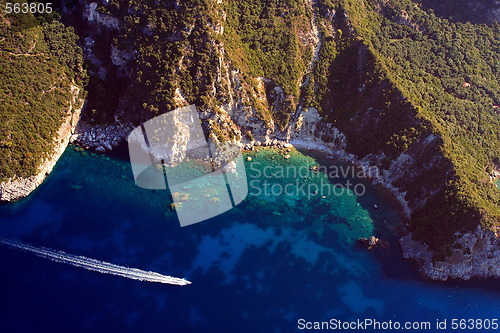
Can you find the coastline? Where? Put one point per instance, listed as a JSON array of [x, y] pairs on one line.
[[375, 277], [341, 154], [18, 188], [475, 256]]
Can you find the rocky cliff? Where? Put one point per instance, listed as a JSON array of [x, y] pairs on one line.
[[473, 254], [19, 187], [368, 118]]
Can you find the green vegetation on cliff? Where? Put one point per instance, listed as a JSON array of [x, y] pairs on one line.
[[477, 11], [389, 75], [271, 39], [38, 63], [173, 52], [166, 53], [264, 39], [421, 74]]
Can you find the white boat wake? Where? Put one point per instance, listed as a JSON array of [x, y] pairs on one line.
[[93, 264]]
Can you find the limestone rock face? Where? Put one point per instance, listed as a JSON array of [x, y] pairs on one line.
[[475, 254], [100, 137], [93, 15]]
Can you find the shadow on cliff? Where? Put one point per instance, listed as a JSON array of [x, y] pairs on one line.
[[477, 11], [387, 216]]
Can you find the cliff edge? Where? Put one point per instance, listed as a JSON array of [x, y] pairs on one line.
[[474, 254], [42, 75], [19, 187]]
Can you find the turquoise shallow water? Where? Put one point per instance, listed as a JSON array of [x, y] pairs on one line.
[[260, 267]]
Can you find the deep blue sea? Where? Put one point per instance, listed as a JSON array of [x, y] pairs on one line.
[[260, 267]]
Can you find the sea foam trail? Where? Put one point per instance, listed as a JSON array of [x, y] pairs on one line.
[[93, 264]]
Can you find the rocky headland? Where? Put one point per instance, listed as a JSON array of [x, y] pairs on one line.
[[18, 188]]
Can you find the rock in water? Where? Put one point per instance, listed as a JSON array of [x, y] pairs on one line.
[[372, 241]]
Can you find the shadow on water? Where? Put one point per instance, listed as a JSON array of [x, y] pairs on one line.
[[384, 209], [389, 224], [385, 212], [252, 268]]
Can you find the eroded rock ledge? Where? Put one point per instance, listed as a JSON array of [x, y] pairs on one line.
[[475, 254]]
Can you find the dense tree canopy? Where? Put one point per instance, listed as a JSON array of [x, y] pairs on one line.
[[38, 64], [447, 73]]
